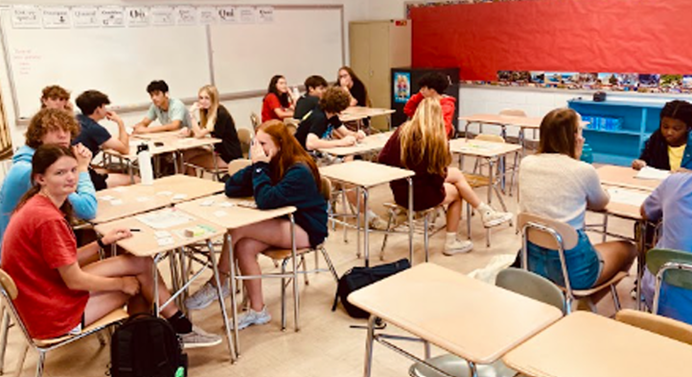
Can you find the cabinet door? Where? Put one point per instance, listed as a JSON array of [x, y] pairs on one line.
[[359, 44]]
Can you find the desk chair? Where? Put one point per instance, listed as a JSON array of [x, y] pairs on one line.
[[517, 113], [42, 346], [254, 120], [660, 325], [398, 216], [516, 280], [672, 266], [286, 255], [245, 138], [560, 236]]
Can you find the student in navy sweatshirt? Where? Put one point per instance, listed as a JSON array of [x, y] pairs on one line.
[[282, 174]]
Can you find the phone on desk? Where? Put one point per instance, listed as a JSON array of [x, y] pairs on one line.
[[158, 144]]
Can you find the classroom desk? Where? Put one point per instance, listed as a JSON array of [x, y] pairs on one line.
[[144, 243], [364, 175], [585, 344], [140, 198], [371, 143], [157, 135], [226, 213], [466, 317], [167, 143], [625, 177], [358, 113]]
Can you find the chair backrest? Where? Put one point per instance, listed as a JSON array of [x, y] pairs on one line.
[[490, 137], [326, 189], [292, 128], [513, 112], [9, 294], [8, 285], [664, 326], [537, 228], [254, 120], [531, 285], [237, 165], [678, 265], [245, 137]]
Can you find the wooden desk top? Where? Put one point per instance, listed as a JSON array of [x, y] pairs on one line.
[[364, 173], [361, 112], [144, 242], [625, 177], [170, 144], [630, 209], [140, 198], [479, 148], [224, 211], [469, 318], [585, 344], [370, 143], [157, 135], [504, 120]]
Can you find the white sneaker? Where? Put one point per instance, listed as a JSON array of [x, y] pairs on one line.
[[199, 338], [377, 223], [206, 295], [251, 317], [457, 247], [493, 218]]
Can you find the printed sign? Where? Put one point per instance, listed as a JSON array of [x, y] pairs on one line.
[[185, 15], [207, 15], [56, 17], [246, 15], [137, 16], [112, 16], [26, 16], [162, 16], [265, 14], [85, 17], [227, 15]]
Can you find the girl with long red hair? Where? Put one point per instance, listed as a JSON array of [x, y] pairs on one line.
[[282, 174]]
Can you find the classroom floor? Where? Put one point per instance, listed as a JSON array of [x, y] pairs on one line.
[[325, 345]]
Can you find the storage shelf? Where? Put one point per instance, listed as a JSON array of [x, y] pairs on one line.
[[618, 132], [613, 159]]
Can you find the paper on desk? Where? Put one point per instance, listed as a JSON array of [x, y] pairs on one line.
[[625, 196], [142, 199], [116, 202], [164, 219], [652, 173], [165, 241], [179, 196], [107, 198]]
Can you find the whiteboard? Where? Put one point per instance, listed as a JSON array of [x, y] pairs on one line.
[[298, 43], [117, 61]]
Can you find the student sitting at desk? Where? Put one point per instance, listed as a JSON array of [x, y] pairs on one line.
[[315, 87], [671, 202], [321, 128], [48, 126], [213, 119], [670, 146], [282, 174], [277, 104], [554, 184], [421, 145], [171, 112], [56, 97], [94, 136], [433, 85], [357, 91], [61, 292]]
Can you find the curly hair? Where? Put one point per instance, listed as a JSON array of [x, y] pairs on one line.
[[54, 92], [47, 120], [335, 100]]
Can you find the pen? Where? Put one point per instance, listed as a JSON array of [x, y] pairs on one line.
[[135, 230]]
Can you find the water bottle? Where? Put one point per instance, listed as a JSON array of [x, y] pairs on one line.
[[146, 171], [587, 154]]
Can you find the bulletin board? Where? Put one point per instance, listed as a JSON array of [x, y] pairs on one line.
[[645, 36]]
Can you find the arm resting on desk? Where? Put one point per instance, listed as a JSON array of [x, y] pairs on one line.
[[84, 200], [239, 185], [289, 191]]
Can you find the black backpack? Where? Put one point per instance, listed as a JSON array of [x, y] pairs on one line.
[[359, 277], [147, 346]]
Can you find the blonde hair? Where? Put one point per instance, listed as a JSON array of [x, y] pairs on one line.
[[424, 138], [207, 117]]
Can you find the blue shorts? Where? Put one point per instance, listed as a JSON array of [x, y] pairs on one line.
[[584, 265]]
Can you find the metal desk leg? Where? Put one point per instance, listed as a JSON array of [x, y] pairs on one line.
[[641, 262], [228, 243], [358, 254], [491, 187], [410, 218], [155, 274], [366, 227], [466, 130], [369, 343], [222, 301], [296, 300], [216, 176]]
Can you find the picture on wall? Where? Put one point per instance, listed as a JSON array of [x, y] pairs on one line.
[[648, 80], [537, 77], [687, 81], [402, 86]]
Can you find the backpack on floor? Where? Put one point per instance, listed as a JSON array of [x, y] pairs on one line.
[[359, 277], [147, 346]]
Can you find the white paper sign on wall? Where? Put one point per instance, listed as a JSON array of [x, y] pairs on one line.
[[112, 16], [227, 15], [56, 17], [162, 16], [26, 17], [265, 14], [137, 16], [85, 17], [185, 15], [246, 15], [207, 15]]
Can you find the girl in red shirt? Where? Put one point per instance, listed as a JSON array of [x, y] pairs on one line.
[[277, 104], [60, 291]]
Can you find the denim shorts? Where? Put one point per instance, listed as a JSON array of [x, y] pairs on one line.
[[584, 265]]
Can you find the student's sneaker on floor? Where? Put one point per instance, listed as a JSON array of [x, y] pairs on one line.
[[377, 223], [491, 217], [251, 317], [457, 247], [206, 295], [199, 338]]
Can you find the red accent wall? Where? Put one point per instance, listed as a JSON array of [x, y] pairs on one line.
[[639, 36]]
